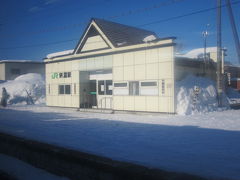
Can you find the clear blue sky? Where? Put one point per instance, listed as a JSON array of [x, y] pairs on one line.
[[42, 22]]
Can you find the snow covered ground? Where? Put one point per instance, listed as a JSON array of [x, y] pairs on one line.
[[203, 144], [23, 171]]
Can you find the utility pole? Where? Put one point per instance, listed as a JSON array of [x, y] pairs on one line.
[[234, 29], [219, 54]]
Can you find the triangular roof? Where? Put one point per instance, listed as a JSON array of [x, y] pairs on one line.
[[114, 34]]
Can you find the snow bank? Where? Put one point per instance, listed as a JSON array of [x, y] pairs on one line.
[[190, 102], [61, 53], [149, 38], [18, 89]]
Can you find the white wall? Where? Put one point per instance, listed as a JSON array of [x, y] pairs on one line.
[[152, 65]]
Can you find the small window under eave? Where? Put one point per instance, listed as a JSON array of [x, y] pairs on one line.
[[93, 41]]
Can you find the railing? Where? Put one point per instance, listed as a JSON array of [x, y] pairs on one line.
[[103, 104]]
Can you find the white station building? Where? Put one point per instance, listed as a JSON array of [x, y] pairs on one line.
[[116, 67]]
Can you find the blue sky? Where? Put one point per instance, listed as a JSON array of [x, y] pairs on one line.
[[34, 28]]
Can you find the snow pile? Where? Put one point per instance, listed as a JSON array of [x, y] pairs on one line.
[[196, 53], [61, 53], [197, 95], [149, 38], [25, 87]]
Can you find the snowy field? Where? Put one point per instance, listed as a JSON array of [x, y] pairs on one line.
[[23, 171], [203, 144]]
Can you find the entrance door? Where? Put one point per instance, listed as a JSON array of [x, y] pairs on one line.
[[104, 96], [93, 93]]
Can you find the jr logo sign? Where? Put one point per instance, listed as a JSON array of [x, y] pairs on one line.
[[54, 75]]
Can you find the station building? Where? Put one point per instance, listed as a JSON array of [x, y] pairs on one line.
[[118, 67]]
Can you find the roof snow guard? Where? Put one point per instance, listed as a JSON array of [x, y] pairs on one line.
[[114, 34]]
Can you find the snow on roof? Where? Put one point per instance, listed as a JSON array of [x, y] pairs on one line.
[[60, 53], [149, 38], [19, 61], [195, 53]]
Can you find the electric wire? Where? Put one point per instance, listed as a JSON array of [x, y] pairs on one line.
[[146, 24]]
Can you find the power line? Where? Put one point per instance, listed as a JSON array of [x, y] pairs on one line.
[[145, 9], [185, 15], [38, 45], [127, 13], [146, 24], [43, 10]]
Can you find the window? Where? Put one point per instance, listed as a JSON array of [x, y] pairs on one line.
[[163, 86], [61, 89], [121, 89], [101, 88], [49, 90], [120, 84], [65, 74], [134, 88], [109, 87], [149, 88], [69, 74], [105, 87], [64, 89], [150, 83], [15, 71], [67, 89]]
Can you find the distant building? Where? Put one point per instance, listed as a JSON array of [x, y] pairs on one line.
[[10, 69]]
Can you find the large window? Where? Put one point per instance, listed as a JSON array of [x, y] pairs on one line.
[[149, 88], [64, 89], [105, 87], [121, 88], [134, 88]]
